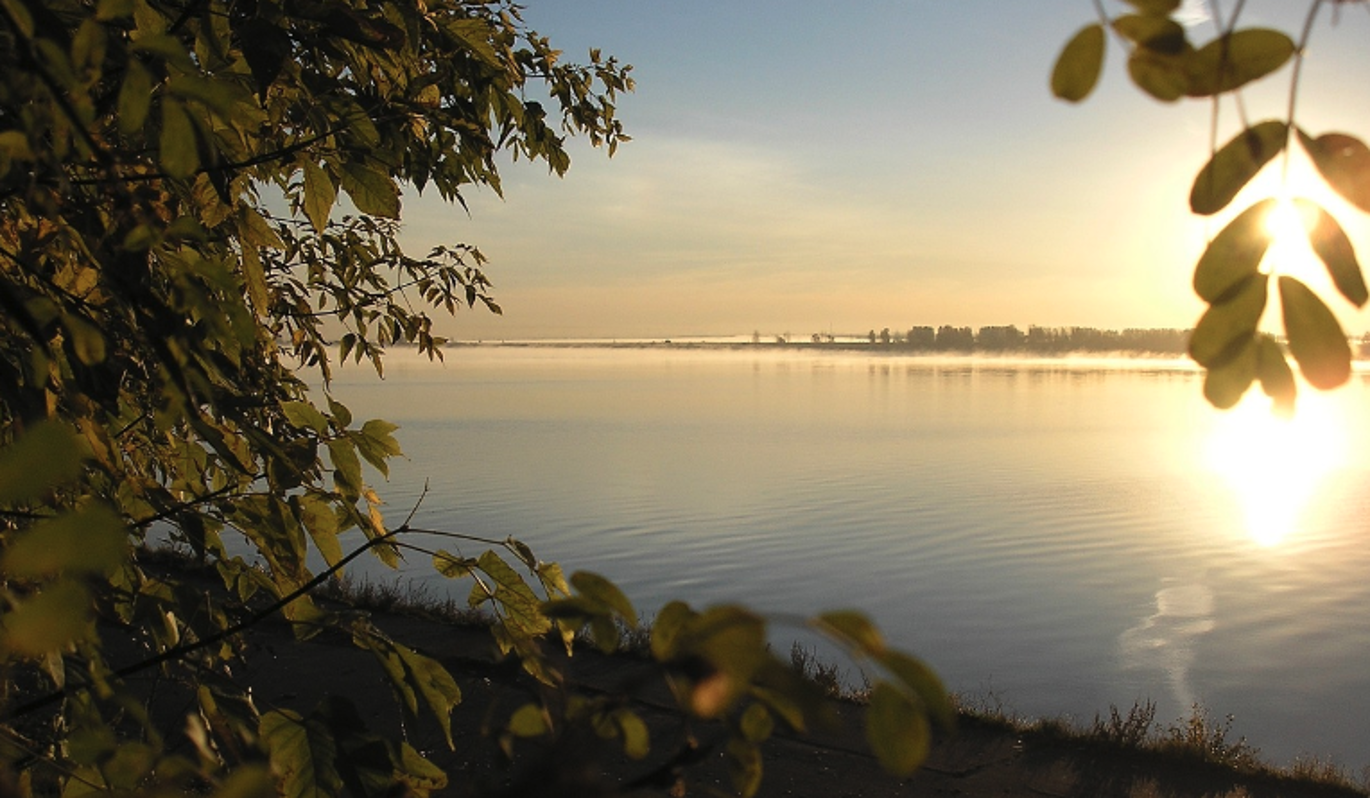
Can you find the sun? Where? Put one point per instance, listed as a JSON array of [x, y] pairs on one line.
[[1272, 464]]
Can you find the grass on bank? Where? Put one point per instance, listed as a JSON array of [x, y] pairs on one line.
[[1199, 738]]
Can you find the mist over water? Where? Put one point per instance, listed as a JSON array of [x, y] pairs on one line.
[[1054, 533]]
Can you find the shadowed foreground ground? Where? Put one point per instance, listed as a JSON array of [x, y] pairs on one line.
[[978, 760]]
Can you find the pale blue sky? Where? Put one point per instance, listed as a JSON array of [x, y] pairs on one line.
[[801, 166]]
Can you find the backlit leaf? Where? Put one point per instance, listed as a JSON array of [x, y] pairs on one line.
[[1079, 65], [1158, 34], [58, 616], [319, 195], [1159, 74], [1277, 380], [668, 628], [1315, 337], [303, 415], [177, 151], [45, 456], [135, 97], [522, 609], [371, 190], [1232, 61], [1344, 162], [601, 590], [1233, 166], [1235, 254], [89, 541], [302, 753], [1333, 246], [347, 468], [452, 566], [924, 683], [1229, 324], [745, 766], [321, 522], [1155, 6], [857, 628], [897, 731], [529, 720], [1226, 382], [756, 724]]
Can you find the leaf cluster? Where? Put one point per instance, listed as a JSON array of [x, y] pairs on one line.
[[1233, 275]]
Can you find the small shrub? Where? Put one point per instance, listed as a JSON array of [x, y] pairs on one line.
[[1204, 738], [1130, 731]]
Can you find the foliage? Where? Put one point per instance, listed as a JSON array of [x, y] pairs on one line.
[[1234, 275], [175, 260]]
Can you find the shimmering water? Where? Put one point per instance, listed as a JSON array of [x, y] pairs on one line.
[[1057, 535]]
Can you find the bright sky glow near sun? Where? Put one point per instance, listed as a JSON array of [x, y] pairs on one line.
[[800, 166]]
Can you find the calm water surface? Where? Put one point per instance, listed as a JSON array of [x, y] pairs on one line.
[[1056, 535]]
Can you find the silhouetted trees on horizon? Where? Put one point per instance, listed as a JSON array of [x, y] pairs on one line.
[[1009, 338]]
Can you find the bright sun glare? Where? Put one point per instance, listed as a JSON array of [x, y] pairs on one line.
[[1272, 464]]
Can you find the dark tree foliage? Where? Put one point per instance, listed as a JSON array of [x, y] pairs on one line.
[[174, 257]]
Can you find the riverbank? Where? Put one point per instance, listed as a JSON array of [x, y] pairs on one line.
[[989, 754]]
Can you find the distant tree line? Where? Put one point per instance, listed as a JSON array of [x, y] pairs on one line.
[[1009, 338]]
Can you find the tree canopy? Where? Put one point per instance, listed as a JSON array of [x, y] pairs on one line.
[[200, 204]]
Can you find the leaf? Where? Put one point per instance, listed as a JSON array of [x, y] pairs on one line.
[[756, 724], [1159, 74], [55, 618], [1226, 383], [529, 720], [376, 444], [177, 151], [89, 541], [1315, 337], [1277, 381], [522, 610], [857, 628], [302, 753], [371, 190], [45, 456], [924, 683], [1158, 34], [1078, 67], [897, 731], [347, 469], [1155, 6], [1234, 60], [321, 522], [265, 48], [745, 767], [1230, 324], [135, 97], [435, 684], [319, 195], [1233, 166], [1344, 162], [668, 628], [1334, 248], [304, 415], [637, 740], [1235, 254], [452, 566], [602, 591]]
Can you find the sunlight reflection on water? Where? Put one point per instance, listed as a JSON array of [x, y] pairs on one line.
[[1060, 530]]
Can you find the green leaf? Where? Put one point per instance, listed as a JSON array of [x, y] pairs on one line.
[[756, 724], [1334, 248], [668, 629], [89, 541], [435, 684], [304, 415], [452, 566], [856, 628], [529, 720], [898, 732], [1232, 61], [377, 444], [745, 766], [302, 753], [371, 190], [1315, 337], [1155, 7], [522, 609], [1229, 325], [55, 618], [319, 195], [1159, 34], [321, 522], [1277, 380], [45, 456], [637, 740], [1078, 67], [135, 97], [1226, 382], [1235, 254], [924, 683], [347, 468], [1344, 162], [601, 590], [177, 152], [1159, 74], [1233, 166]]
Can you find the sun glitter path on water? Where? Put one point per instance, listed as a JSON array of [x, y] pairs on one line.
[[1273, 465]]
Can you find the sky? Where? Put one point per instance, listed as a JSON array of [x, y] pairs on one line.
[[801, 167]]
